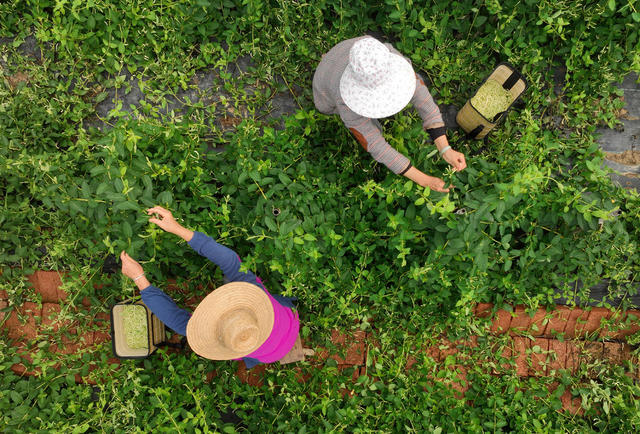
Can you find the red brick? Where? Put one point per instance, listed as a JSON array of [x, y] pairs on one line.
[[252, 377], [102, 317], [520, 322], [86, 302], [552, 387], [100, 337], [612, 325], [69, 345], [463, 347], [3, 294], [20, 369], [470, 342], [483, 310], [577, 317], [346, 393], [539, 359], [613, 352], [626, 351], [558, 355], [356, 371], [29, 330], [210, 376], [571, 404], [353, 347], [25, 355], [47, 284], [86, 339], [33, 280], [3, 304], [507, 353], [635, 366], [447, 348], [593, 323], [460, 384], [30, 308], [501, 322], [538, 322], [573, 357], [50, 316], [557, 321], [12, 323], [629, 324], [410, 362], [520, 347], [84, 380], [434, 353], [193, 302], [590, 352]]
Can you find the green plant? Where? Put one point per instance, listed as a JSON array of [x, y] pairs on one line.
[[532, 214]]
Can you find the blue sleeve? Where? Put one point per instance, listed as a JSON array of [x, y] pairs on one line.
[[250, 362], [224, 257], [166, 309]]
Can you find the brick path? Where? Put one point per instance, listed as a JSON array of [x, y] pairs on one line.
[[532, 339]]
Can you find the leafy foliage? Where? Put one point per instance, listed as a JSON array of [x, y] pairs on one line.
[[533, 211]]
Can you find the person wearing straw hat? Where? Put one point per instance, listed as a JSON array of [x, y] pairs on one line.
[[362, 80], [238, 320]]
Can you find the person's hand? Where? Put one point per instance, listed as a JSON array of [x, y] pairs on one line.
[[455, 159], [425, 180], [130, 267], [168, 223], [165, 220], [434, 183]]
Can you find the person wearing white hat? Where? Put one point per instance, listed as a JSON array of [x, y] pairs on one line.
[[240, 320], [362, 80]]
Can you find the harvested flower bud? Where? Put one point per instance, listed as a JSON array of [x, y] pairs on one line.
[[135, 326], [491, 99]]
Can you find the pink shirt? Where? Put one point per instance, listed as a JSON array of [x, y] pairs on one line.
[[286, 326]]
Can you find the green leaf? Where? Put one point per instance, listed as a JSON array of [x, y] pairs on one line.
[[126, 229], [612, 5], [146, 181], [395, 15], [284, 178], [480, 21], [102, 188], [15, 396], [75, 206], [271, 224], [98, 170], [165, 198], [127, 206], [500, 207]]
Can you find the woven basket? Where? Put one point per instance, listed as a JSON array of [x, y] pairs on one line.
[[155, 333], [472, 122]]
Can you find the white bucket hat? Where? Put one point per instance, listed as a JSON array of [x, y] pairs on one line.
[[376, 82]]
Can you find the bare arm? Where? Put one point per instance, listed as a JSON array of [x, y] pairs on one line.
[[425, 180]]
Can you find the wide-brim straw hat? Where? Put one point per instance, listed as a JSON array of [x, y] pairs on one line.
[[376, 83], [231, 322]]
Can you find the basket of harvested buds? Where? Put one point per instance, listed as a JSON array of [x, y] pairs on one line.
[[491, 101], [136, 332]]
